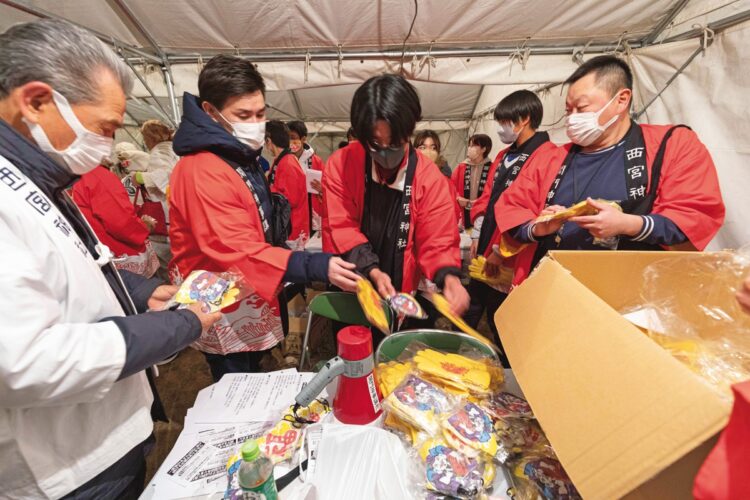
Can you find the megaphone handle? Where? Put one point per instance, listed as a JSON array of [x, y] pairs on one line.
[[332, 369]]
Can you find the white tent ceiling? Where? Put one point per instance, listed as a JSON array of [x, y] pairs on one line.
[[457, 49], [462, 55]]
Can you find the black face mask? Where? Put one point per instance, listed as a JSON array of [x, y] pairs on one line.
[[388, 158]]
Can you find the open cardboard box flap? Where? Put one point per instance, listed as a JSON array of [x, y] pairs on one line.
[[618, 409]]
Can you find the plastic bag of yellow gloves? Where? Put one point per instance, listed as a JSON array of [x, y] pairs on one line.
[[372, 306], [455, 371], [283, 439], [476, 271], [578, 210]]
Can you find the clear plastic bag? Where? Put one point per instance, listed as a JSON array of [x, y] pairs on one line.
[[692, 311], [419, 404], [457, 372], [215, 291], [469, 429], [365, 463], [449, 472], [537, 476]]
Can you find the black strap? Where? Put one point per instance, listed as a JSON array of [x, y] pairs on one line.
[[467, 186], [645, 205], [502, 180], [404, 222], [267, 233]]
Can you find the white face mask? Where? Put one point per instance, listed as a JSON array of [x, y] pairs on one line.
[[506, 133], [251, 134], [87, 150], [474, 153], [584, 129]]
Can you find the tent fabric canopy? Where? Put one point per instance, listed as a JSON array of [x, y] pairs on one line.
[[287, 25], [463, 56]]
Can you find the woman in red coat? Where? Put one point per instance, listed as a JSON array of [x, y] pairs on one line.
[[104, 203], [388, 209], [287, 178]]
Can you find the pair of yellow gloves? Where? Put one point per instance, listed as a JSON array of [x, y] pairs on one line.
[[476, 271]]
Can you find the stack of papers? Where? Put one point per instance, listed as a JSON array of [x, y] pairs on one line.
[[239, 407]]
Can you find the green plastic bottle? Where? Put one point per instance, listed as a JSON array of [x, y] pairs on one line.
[[256, 473]]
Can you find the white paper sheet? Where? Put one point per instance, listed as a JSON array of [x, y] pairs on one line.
[[247, 397], [196, 466], [313, 175]]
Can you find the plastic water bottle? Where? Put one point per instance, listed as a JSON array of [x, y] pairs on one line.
[[256, 473]]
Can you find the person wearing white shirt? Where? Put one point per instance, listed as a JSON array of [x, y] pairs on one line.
[[76, 340]]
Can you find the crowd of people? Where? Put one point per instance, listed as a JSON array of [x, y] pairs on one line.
[[86, 226]]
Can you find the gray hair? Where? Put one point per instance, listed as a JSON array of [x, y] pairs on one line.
[[64, 56]]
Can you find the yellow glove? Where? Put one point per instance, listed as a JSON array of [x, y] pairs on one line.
[[476, 271]]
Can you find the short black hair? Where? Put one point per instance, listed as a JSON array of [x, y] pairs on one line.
[[385, 97], [612, 73], [520, 105], [278, 132], [224, 77], [483, 141], [350, 134], [298, 127], [343, 144], [422, 135]]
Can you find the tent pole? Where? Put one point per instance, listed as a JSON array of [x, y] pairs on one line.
[[715, 26], [34, 11], [122, 8], [160, 112], [396, 55], [297, 107], [170, 92], [671, 15], [677, 73], [476, 102], [151, 92]]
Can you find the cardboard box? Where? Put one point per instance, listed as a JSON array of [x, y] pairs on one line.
[[625, 417]]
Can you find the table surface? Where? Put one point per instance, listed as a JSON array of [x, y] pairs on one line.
[[500, 485]]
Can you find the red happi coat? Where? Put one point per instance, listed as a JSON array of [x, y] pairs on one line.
[[215, 226], [457, 180], [104, 202], [479, 207], [688, 192], [433, 233], [289, 180]]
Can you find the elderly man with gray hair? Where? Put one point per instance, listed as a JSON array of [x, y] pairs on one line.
[[76, 340]]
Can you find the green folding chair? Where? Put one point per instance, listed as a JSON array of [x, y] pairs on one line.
[[342, 307]]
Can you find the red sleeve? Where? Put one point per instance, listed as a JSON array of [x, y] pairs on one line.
[[457, 179], [688, 192], [225, 224], [479, 207], [343, 193], [525, 198], [317, 163], [111, 206], [291, 181], [436, 233]]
